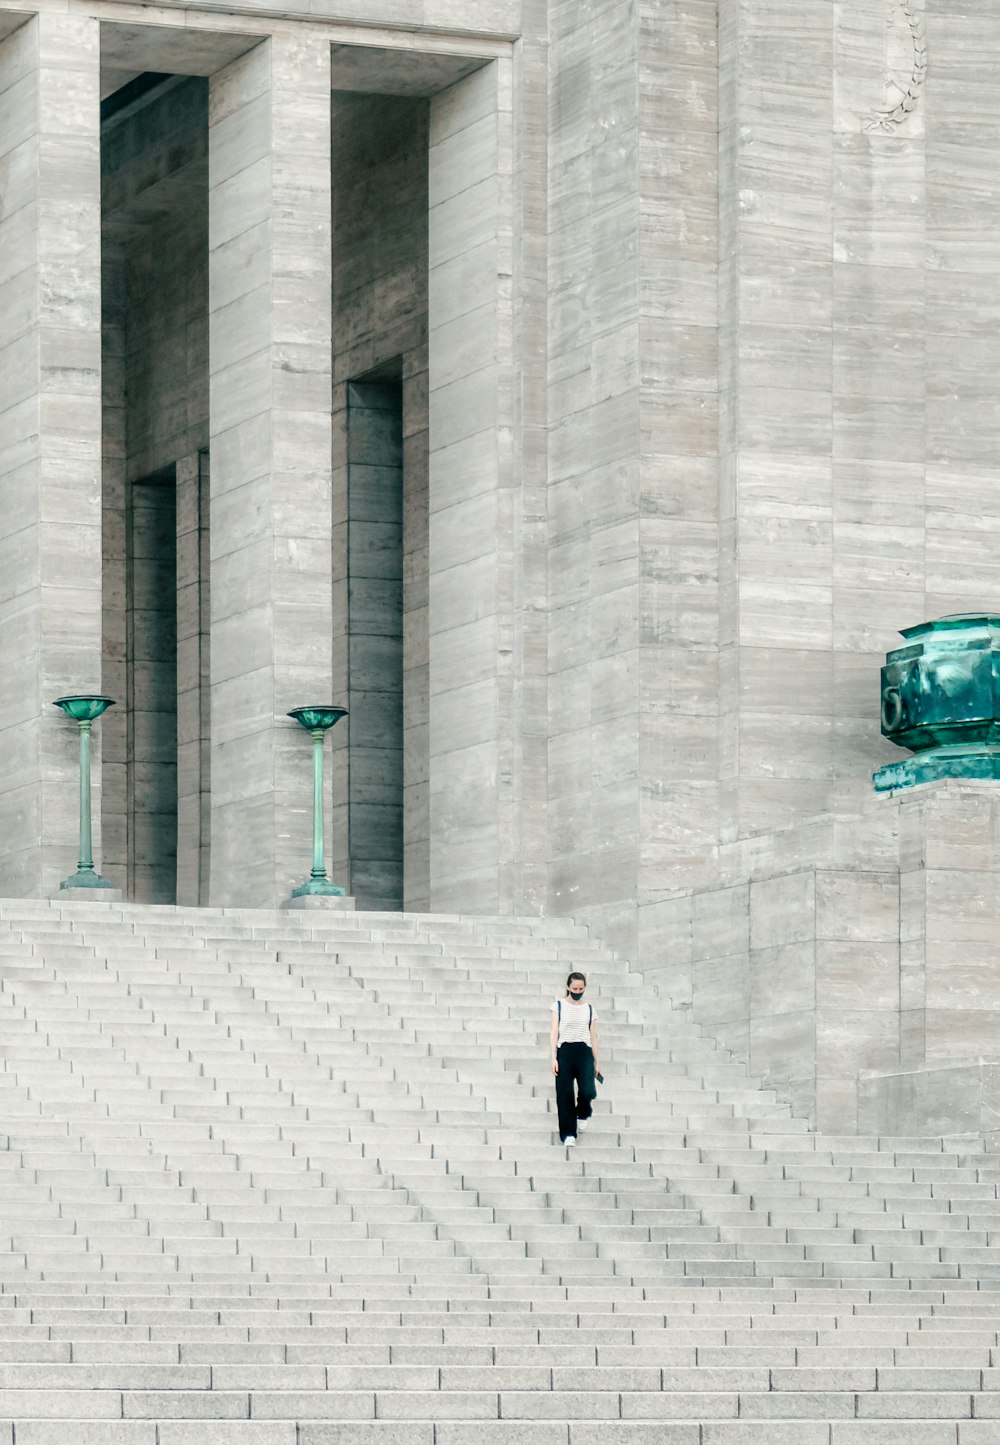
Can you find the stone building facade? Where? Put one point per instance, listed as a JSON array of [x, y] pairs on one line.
[[582, 393]]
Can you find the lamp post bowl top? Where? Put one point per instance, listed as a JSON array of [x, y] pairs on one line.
[[318, 717], [84, 706], [943, 688]]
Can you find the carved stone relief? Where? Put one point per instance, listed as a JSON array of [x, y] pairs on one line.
[[881, 67], [906, 67]]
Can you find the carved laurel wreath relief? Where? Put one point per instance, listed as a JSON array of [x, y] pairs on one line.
[[906, 67]]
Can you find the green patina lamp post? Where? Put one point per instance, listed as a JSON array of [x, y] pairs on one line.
[[84, 708], [318, 720], [941, 699]]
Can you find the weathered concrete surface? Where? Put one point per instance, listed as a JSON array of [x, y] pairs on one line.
[[855, 258], [471, 522], [848, 944], [725, 578], [194, 731], [50, 437], [633, 462], [939, 1099], [270, 407]]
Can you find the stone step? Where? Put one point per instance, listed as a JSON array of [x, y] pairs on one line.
[[318, 1156], [565, 1402], [802, 1431]]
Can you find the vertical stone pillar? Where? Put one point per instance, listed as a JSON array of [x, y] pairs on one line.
[[193, 681], [471, 573], [151, 632], [416, 726], [594, 416], [375, 662], [270, 396], [885, 270], [531, 86], [776, 432], [677, 526], [113, 727], [50, 436]]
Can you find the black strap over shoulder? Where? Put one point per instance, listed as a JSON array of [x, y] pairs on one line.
[[590, 1015]]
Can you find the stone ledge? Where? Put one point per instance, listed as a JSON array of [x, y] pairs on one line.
[[960, 1097]]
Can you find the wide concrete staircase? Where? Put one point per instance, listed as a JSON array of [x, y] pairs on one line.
[[294, 1182]]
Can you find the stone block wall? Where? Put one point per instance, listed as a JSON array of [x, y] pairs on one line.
[[593, 465], [50, 435], [855, 273], [765, 453], [942, 1099], [270, 364], [633, 461], [949, 979], [380, 281], [950, 923], [877, 954], [473, 704]]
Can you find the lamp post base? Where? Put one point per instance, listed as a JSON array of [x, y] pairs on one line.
[[86, 878], [330, 902], [84, 892], [978, 761], [318, 888]]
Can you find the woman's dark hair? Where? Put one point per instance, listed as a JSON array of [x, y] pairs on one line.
[[581, 976]]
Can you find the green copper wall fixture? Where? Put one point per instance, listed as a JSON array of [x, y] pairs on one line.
[[84, 708], [941, 699], [318, 720]]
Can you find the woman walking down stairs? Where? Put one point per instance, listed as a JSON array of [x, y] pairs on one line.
[[292, 1181], [573, 1046]]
